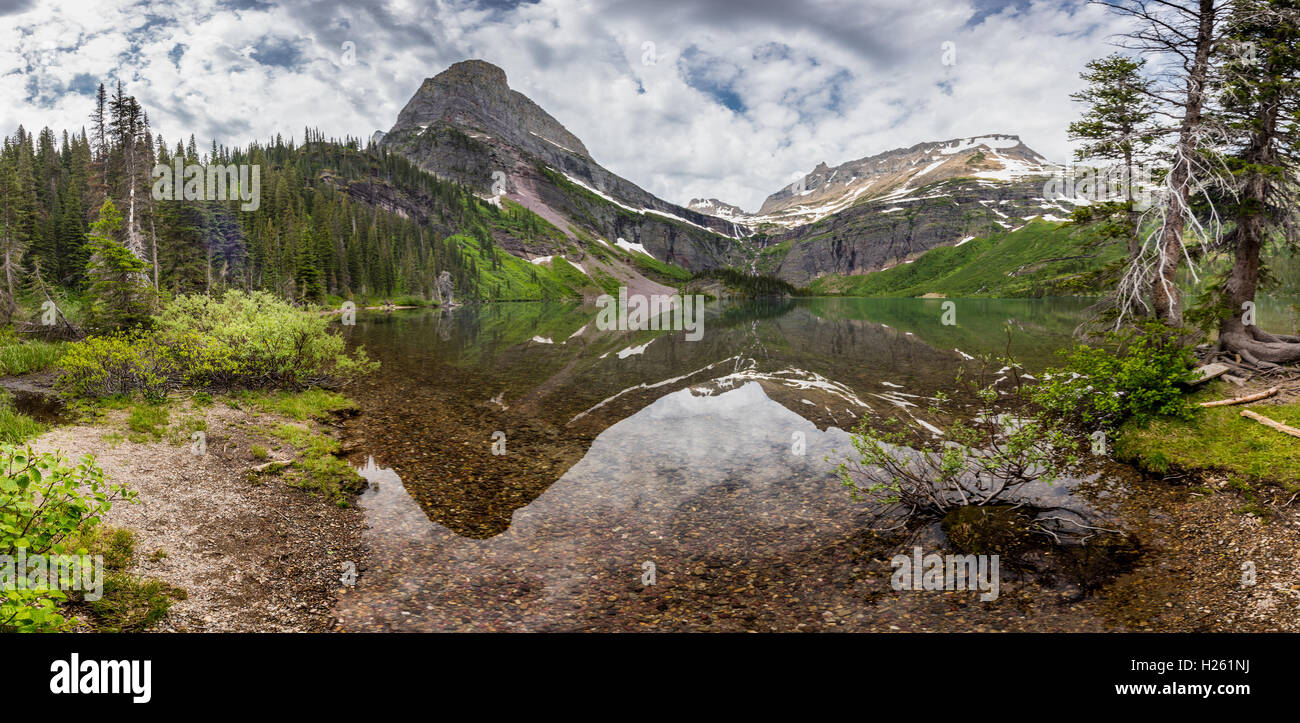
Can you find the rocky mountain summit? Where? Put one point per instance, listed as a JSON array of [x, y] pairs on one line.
[[899, 173], [467, 124], [714, 207], [885, 209]]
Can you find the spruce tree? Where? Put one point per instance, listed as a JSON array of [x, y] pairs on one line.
[[119, 297]]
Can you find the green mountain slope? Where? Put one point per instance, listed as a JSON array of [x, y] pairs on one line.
[[1040, 259]]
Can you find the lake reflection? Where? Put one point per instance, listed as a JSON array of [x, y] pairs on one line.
[[648, 482]]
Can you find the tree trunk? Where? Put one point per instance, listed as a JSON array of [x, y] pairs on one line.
[[153, 239], [1254, 345], [1166, 298], [1134, 244], [11, 303]]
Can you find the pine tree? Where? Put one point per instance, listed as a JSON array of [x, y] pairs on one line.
[[1116, 123], [307, 274], [1260, 109], [119, 298]]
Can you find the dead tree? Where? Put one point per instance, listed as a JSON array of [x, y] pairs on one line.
[[445, 288], [1180, 35]]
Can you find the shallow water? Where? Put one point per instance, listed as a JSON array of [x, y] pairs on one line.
[[647, 481]]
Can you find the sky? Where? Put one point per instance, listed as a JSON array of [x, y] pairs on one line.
[[730, 99]]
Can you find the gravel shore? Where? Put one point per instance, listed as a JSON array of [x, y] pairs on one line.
[[252, 552]]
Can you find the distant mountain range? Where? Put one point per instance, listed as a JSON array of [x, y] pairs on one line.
[[466, 124]]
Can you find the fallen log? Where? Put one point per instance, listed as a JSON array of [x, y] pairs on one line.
[[1242, 400], [1271, 423], [273, 463]]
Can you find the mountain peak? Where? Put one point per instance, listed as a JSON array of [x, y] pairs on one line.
[[990, 157], [471, 72], [473, 97], [714, 207]]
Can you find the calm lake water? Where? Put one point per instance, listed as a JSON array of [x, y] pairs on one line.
[[648, 482]]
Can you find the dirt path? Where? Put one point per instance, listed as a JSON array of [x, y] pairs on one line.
[[251, 556]]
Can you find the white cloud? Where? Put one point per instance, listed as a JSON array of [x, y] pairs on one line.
[[818, 81]]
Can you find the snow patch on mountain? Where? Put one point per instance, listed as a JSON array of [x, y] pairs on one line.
[[629, 246]]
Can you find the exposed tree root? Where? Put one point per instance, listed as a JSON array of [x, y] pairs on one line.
[[1260, 348]]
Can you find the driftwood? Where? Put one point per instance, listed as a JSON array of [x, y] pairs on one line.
[[277, 463], [1271, 423], [1242, 400]]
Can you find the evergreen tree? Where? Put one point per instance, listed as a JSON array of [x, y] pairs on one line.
[[1260, 110], [119, 297], [1115, 123], [307, 275]]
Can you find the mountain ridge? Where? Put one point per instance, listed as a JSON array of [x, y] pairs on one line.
[[859, 216], [466, 124]]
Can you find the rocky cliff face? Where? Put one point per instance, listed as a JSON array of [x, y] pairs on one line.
[[826, 190], [877, 235], [882, 210], [466, 124]]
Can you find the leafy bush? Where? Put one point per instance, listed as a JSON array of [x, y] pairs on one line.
[[980, 462], [45, 504], [1138, 380], [103, 366], [239, 340], [255, 340]]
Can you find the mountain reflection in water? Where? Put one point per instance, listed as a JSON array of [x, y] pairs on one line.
[[708, 463]]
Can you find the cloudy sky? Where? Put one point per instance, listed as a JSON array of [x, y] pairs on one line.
[[687, 98]]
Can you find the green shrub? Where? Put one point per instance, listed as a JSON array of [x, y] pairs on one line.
[[410, 300], [1140, 380], [46, 505], [255, 340], [103, 366], [239, 340]]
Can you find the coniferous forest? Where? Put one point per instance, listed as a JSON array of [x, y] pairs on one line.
[[333, 218]]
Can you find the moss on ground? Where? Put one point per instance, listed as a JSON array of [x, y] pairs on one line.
[[128, 603], [1219, 439], [317, 467], [304, 405]]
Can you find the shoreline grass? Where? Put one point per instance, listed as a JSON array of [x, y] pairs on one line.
[[19, 357], [1218, 439]]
